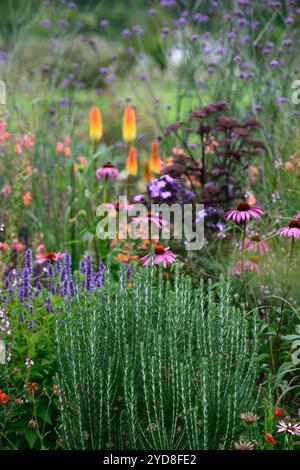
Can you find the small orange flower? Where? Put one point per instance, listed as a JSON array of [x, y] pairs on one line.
[[278, 412], [253, 171], [3, 397], [147, 172], [129, 125], [82, 160], [27, 198], [67, 152], [59, 147], [96, 127], [131, 162], [289, 166], [154, 161], [270, 439]]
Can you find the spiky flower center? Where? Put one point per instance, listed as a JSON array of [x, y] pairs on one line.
[[108, 165], [50, 256], [159, 250], [254, 259], [255, 238], [243, 207], [294, 224]]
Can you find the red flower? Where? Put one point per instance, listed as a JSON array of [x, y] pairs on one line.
[[32, 387], [3, 397], [278, 412], [270, 439]]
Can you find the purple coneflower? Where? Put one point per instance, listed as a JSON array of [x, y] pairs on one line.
[[249, 418], [256, 244], [107, 171], [41, 258], [244, 212], [161, 255], [292, 230], [243, 445], [291, 428], [252, 264]]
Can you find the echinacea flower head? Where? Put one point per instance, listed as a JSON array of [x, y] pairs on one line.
[[292, 230], [297, 216], [129, 125], [249, 418], [96, 127], [131, 162], [291, 428], [256, 244], [41, 258], [155, 161], [251, 264], [244, 445], [107, 172], [161, 255], [244, 212]]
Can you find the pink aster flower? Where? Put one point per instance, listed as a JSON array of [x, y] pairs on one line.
[[255, 244], [252, 264], [292, 230], [161, 255], [291, 428], [107, 171], [150, 218], [244, 212], [41, 258]]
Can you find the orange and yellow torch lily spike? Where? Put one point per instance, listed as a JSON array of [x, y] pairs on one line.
[[96, 127], [147, 172], [131, 162], [129, 125], [155, 162]]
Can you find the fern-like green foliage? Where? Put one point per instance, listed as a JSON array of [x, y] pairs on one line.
[[155, 365]]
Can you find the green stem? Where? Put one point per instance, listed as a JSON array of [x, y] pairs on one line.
[[285, 292]]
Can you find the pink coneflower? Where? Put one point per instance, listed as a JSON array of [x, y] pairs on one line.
[[249, 418], [161, 255], [243, 445], [244, 212], [41, 258], [150, 218], [292, 230], [297, 216], [291, 428], [255, 244], [252, 264], [107, 171]]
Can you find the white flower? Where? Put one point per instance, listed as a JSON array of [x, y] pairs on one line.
[[292, 428]]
